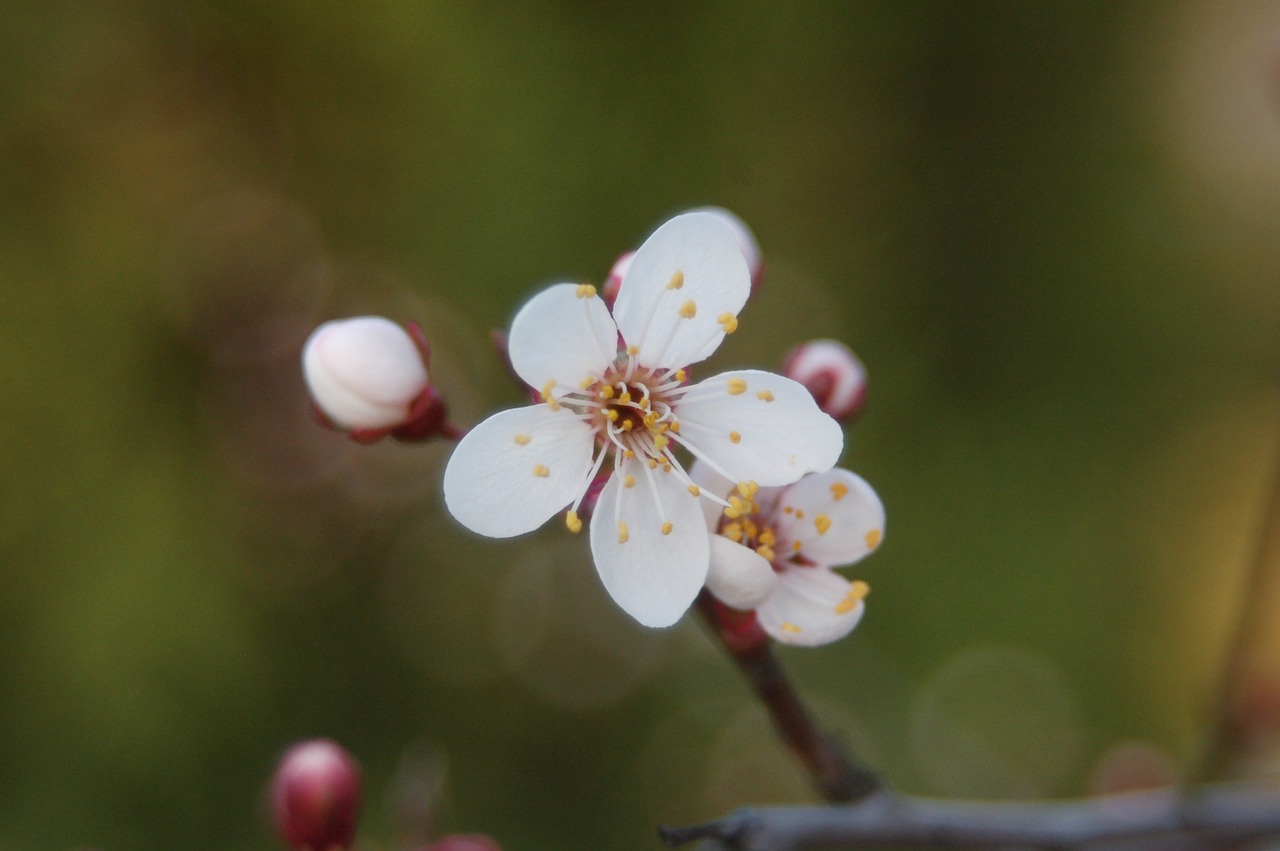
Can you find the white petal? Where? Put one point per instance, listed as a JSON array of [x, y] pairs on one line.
[[746, 239], [759, 427], [509, 474], [363, 372], [811, 606], [710, 481], [653, 576], [836, 517], [563, 334], [684, 287], [739, 577]]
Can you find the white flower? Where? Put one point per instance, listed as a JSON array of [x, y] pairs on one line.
[[363, 373], [632, 404], [776, 554]]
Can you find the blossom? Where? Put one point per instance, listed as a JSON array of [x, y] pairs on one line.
[[774, 550], [616, 391], [833, 374]]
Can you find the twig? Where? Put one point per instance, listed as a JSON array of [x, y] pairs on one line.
[[835, 775], [1212, 817]]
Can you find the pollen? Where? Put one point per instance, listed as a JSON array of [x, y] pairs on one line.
[[548, 398], [677, 281], [822, 523], [586, 291], [633, 350], [728, 322], [541, 471], [628, 481], [839, 491], [653, 463], [766, 537], [612, 414], [606, 392], [737, 386], [623, 534], [764, 395], [626, 425], [765, 552], [586, 383], [748, 489], [795, 546], [681, 375], [666, 528], [858, 591], [688, 310], [628, 454], [573, 521], [624, 397], [733, 531], [695, 490], [523, 439], [873, 539], [788, 626], [735, 437], [661, 442]]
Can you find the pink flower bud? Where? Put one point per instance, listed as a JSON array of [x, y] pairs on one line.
[[746, 241], [613, 282], [316, 796], [833, 374], [463, 842]]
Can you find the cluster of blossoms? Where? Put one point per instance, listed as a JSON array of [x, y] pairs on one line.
[[758, 518]]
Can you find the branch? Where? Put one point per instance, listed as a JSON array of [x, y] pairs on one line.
[[1216, 816]]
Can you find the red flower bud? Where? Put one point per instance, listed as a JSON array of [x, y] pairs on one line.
[[833, 374], [316, 796]]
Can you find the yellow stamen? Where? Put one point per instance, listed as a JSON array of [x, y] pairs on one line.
[[625, 397], [764, 395], [735, 437], [633, 350], [737, 386], [786, 509], [822, 523], [788, 626], [839, 491], [677, 281], [674, 425], [541, 471], [586, 383], [688, 310], [628, 481], [858, 591], [523, 439], [695, 490], [653, 464], [548, 398], [765, 552], [606, 392], [748, 489], [666, 468], [626, 425], [586, 291], [767, 537], [795, 546], [728, 322], [623, 535], [732, 531], [799, 514], [873, 539], [627, 453], [661, 442], [681, 375], [612, 414], [666, 528], [573, 521]]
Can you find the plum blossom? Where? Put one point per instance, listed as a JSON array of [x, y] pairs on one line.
[[616, 391], [774, 548]]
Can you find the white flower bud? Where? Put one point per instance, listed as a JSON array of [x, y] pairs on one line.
[[746, 239], [363, 373], [833, 375]]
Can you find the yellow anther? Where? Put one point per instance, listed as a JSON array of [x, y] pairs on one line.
[[523, 439], [681, 375], [737, 386], [624, 398], [728, 322], [735, 437], [764, 395], [695, 490], [799, 514], [839, 491], [822, 523], [649, 419], [586, 383], [586, 291], [677, 281], [627, 453], [573, 521], [767, 538], [653, 464], [606, 392], [623, 535], [612, 414], [732, 531], [688, 310], [661, 442], [873, 539], [666, 468], [674, 425], [748, 489], [765, 552], [786, 509], [541, 471], [633, 350], [788, 626], [733, 512], [626, 425], [548, 398], [795, 546], [858, 591], [628, 481], [666, 528]]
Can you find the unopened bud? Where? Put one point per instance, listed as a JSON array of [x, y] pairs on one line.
[[316, 796], [833, 374], [464, 842], [613, 282], [746, 240], [368, 377]]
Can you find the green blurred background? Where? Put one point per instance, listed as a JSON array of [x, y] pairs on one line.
[[1051, 230]]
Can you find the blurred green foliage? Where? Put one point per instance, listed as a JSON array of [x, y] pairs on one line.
[[1049, 229]]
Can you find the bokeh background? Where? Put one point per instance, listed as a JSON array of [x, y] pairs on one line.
[[1051, 230]]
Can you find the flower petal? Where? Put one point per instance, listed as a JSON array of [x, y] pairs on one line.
[[738, 576], [758, 426], [812, 606], [683, 291], [835, 516], [710, 481], [653, 576], [517, 468], [563, 334]]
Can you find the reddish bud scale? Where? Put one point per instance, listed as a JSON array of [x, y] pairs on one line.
[[316, 796]]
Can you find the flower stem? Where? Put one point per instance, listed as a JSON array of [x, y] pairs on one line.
[[836, 776]]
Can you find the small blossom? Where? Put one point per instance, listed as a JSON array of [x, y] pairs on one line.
[[615, 388], [776, 555], [316, 796], [368, 377], [832, 373]]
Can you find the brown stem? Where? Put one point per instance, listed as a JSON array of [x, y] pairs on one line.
[[837, 777]]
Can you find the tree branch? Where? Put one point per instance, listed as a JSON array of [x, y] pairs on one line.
[[1212, 817]]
